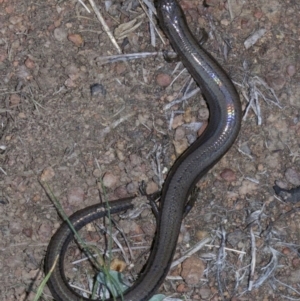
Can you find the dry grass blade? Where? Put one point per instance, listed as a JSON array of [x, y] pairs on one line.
[[253, 260], [106, 253], [152, 24], [114, 124], [268, 269], [228, 249], [82, 3], [87, 292], [239, 278], [125, 29], [255, 217], [102, 60], [105, 27], [181, 99], [156, 164], [221, 262], [117, 242], [252, 94], [42, 285], [230, 9], [252, 40], [3, 171], [190, 252], [290, 288]]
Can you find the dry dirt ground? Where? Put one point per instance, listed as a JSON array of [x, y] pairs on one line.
[[79, 121]]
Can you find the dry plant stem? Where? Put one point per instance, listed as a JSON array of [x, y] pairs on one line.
[[129, 248], [188, 87], [114, 124], [105, 27], [127, 56], [82, 289], [82, 3], [190, 252], [252, 180], [230, 9], [239, 278], [156, 165], [151, 20], [179, 100], [269, 268], [220, 262], [66, 219], [150, 5], [112, 251], [172, 118], [152, 29], [117, 242], [290, 287], [27, 244], [177, 76], [253, 260], [43, 283], [227, 249], [254, 93], [2, 170], [245, 154]]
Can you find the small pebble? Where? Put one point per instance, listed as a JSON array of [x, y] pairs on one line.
[[15, 228], [27, 232], [76, 196], [47, 174], [76, 39], [205, 293], [257, 13], [192, 270], [181, 288], [97, 89], [110, 180], [291, 70], [120, 68], [179, 133], [152, 187], [132, 187], [187, 116], [228, 175], [180, 146], [177, 121], [29, 63], [45, 232], [14, 99], [203, 114], [277, 81], [60, 34], [292, 176], [163, 79], [97, 173], [286, 251], [296, 262], [15, 19], [247, 187], [121, 192]]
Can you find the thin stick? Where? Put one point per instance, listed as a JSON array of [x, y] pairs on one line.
[[151, 20], [105, 27], [82, 3], [253, 260], [190, 252]]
